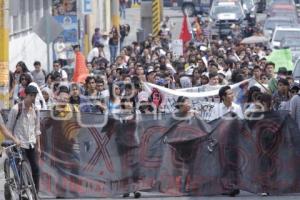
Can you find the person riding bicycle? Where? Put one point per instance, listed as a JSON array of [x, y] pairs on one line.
[[6, 133], [24, 123]]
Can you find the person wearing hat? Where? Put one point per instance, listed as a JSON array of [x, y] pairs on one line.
[[150, 75], [282, 72], [24, 123]]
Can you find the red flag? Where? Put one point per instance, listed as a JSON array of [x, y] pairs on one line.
[[81, 71], [185, 34]]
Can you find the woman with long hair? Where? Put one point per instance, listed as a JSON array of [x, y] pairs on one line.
[[19, 89], [113, 42], [114, 102]]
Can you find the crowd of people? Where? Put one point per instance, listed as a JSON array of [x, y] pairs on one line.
[[115, 83], [114, 80]]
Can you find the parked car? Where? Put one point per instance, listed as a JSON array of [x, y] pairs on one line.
[[285, 14], [284, 33], [281, 7], [224, 14], [296, 72], [272, 22], [294, 45], [194, 7], [225, 10], [272, 2]]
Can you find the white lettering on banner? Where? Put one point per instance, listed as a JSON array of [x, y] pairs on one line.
[[204, 109], [204, 102]]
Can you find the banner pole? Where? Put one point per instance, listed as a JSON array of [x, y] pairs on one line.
[[4, 58]]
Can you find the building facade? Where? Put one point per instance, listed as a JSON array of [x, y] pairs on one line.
[[23, 43]]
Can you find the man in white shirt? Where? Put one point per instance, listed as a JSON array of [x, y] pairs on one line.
[[227, 105], [60, 50], [24, 123], [58, 72], [96, 52]]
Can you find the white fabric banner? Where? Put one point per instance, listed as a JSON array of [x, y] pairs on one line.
[[203, 102]]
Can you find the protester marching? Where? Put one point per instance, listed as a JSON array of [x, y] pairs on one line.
[[131, 117]]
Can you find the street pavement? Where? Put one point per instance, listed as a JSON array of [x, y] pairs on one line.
[[175, 14]]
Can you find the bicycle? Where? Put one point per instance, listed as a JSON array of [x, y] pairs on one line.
[[18, 178]]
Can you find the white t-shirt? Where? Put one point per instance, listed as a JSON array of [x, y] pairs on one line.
[[94, 53], [235, 108], [60, 50]]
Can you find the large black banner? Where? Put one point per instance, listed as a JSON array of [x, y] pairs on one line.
[[176, 157]]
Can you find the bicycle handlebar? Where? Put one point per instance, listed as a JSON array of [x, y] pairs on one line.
[[9, 144]]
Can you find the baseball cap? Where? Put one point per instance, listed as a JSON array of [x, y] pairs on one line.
[[31, 90], [150, 70]]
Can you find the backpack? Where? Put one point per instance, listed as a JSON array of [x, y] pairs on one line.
[[44, 72], [20, 108], [57, 74]]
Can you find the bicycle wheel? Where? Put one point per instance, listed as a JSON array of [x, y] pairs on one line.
[[29, 187], [10, 184]]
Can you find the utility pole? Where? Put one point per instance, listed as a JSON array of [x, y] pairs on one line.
[[4, 59], [115, 13], [156, 16]]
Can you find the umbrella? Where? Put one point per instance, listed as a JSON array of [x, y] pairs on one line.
[[255, 39]]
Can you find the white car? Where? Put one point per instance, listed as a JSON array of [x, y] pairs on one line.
[[227, 11], [284, 33], [272, 22], [296, 72]]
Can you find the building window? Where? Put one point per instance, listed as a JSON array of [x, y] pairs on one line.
[[46, 6], [31, 13], [23, 10], [15, 22], [38, 10]]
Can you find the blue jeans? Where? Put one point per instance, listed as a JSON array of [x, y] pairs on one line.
[[113, 52], [121, 43], [122, 10]]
